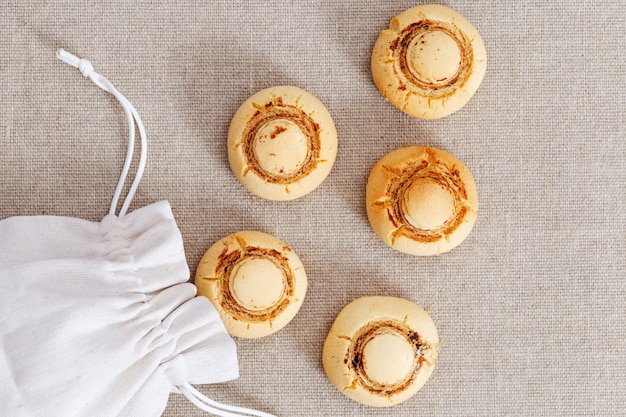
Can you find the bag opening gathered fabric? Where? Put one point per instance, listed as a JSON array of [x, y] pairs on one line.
[[98, 318]]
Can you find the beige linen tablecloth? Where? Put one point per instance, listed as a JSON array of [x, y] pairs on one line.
[[530, 308]]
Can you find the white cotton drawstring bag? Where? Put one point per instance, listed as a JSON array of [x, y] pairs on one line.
[[98, 319]]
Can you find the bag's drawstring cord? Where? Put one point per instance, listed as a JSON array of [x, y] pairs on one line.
[[86, 69], [204, 403]]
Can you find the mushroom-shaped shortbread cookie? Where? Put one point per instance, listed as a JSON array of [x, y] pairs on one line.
[[421, 201], [429, 62], [380, 350], [282, 143], [255, 281]]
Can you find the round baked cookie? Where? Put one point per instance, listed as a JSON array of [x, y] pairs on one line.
[[282, 143], [255, 281], [429, 62], [380, 350], [421, 201]]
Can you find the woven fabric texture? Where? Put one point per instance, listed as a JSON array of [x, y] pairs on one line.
[[530, 309]]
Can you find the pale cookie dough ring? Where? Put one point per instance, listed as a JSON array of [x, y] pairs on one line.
[[380, 350], [421, 201], [254, 280], [282, 143], [429, 62]]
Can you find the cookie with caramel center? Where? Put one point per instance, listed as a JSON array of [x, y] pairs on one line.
[[421, 201], [255, 281], [380, 350], [429, 62], [282, 143]]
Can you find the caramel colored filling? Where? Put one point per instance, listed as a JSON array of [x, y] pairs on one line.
[[433, 58], [426, 200], [281, 143], [255, 283], [385, 356]]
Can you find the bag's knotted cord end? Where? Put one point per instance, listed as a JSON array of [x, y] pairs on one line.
[[83, 65]]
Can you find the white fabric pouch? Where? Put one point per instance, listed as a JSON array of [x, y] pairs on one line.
[[97, 318]]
